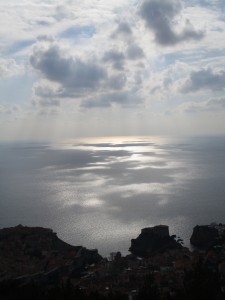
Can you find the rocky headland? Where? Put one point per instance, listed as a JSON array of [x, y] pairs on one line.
[[153, 240], [208, 236], [34, 250]]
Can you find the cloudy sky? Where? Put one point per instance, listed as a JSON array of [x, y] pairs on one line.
[[124, 67]]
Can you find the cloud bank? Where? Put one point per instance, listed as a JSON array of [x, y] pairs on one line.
[[139, 65]]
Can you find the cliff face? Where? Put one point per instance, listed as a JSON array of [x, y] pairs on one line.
[[153, 240], [204, 236], [28, 250]]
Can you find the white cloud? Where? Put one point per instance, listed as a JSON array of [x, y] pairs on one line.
[[152, 56], [9, 67]]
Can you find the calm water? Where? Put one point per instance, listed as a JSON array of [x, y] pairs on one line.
[[100, 192]]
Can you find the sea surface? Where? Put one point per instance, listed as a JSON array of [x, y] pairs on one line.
[[100, 192]]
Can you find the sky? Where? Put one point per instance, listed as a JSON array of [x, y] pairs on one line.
[[73, 68]]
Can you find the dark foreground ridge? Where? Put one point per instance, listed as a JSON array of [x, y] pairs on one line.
[[36, 264], [37, 250]]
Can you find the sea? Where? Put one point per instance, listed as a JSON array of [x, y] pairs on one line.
[[100, 192]]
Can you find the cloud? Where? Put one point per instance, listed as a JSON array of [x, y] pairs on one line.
[[166, 83], [124, 98], [215, 4], [204, 79], [45, 38], [71, 72], [116, 58], [10, 109], [51, 93], [20, 45], [117, 82], [47, 102], [69, 77], [135, 52], [102, 101], [216, 104], [123, 30], [46, 95], [46, 98], [75, 32], [211, 105], [62, 12], [159, 16], [43, 23], [45, 90], [9, 67]]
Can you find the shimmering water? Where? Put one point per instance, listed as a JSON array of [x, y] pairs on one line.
[[100, 192]]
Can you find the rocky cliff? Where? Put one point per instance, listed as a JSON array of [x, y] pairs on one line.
[[153, 240]]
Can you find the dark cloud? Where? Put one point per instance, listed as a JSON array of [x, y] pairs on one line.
[[115, 57], [159, 17], [88, 81], [69, 77], [204, 79], [135, 52], [71, 72]]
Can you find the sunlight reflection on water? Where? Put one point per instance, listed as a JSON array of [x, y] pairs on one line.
[[101, 192]]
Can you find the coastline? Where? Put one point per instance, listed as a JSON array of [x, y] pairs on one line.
[[35, 257]]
